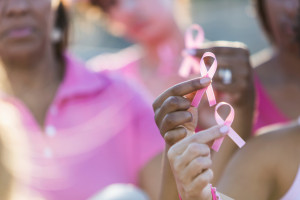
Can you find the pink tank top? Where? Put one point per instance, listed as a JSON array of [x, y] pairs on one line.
[[266, 111], [294, 191]]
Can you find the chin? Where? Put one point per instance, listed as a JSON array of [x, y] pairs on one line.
[[21, 51]]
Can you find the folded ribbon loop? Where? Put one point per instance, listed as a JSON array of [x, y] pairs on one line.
[[228, 121], [204, 73], [191, 43]]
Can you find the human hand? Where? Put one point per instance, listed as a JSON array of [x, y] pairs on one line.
[[190, 162]]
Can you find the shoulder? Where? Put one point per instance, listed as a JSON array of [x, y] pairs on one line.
[[115, 61], [254, 169], [265, 149]]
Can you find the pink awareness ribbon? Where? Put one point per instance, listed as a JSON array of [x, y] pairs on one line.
[[204, 73], [191, 43], [228, 121]]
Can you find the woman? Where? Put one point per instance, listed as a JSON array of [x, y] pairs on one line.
[[154, 27], [278, 78], [85, 130]]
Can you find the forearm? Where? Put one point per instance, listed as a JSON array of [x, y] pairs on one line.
[[168, 185]]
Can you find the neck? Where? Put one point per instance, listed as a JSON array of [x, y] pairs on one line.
[[30, 75], [290, 65]]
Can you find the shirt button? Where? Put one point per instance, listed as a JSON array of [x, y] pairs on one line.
[[50, 131], [48, 152]]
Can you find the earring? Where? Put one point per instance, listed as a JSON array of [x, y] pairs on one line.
[[56, 35]]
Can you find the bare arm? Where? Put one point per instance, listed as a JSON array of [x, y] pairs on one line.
[[250, 173]]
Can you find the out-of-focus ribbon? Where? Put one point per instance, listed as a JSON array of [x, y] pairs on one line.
[[204, 73], [191, 44], [228, 121]]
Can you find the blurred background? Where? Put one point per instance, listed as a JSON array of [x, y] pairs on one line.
[[232, 20]]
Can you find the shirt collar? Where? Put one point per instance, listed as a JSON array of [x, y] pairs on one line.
[[78, 80]]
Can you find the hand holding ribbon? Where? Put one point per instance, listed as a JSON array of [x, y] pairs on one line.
[[204, 73], [228, 121]]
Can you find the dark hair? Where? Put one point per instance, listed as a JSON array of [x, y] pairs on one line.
[[262, 17], [103, 5], [61, 23]]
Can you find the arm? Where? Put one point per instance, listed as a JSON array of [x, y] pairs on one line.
[[250, 174], [172, 110]]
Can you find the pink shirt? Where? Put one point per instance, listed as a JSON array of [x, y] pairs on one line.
[[99, 130], [266, 111]]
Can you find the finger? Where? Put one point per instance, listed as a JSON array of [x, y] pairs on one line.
[[182, 89], [201, 137], [174, 136], [196, 167], [193, 151], [174, 119], [172, 104], [200, 182]]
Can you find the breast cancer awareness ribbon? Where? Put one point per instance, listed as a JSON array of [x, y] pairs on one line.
[[228, 121], [191, 43], [204, 73]]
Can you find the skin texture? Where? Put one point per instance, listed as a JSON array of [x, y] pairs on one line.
[[266, 167]]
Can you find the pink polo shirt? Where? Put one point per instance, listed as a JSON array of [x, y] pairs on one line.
[[99, 130]]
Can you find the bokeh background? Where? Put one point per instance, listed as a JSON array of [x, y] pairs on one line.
[[232, 20]]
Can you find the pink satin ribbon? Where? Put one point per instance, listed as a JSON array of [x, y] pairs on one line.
[[191, 43], [228, 121], [204, 73]]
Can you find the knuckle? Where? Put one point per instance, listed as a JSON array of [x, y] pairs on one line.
[[173, 102], [205, 149], [171, 154], [193, 148], [199, 163], [177, 166], [176, 90], [169, 120]]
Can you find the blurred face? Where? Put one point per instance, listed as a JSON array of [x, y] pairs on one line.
[[24, 27], [141, 20], [283, 19]]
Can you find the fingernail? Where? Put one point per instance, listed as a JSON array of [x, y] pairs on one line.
[[205, 80], [224, 130]]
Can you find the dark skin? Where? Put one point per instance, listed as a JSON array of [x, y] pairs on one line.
[[29, 68], [284, 83]]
